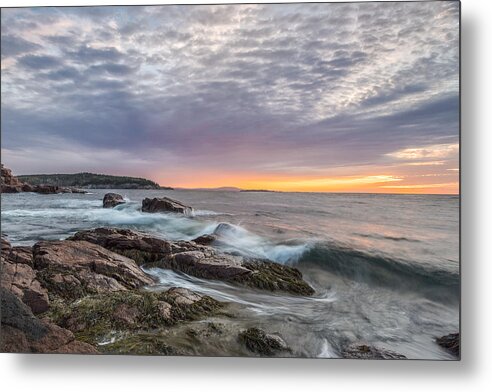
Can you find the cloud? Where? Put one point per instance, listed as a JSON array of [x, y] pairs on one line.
[[275, 88], [437, 151], [38, 62], [12, 45]]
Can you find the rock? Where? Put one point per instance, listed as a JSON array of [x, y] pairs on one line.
[[364, 351], [198, 260], [141, 344], [272, 276], [19, 277], [135, 245], [22, 332], [206, 239], [74, 269], [46, 189], [111, 200], [125, 312], [206, 264], [9, 183], [451, 343], [259, 342], [165, 204]]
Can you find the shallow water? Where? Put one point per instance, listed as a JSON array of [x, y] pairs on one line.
[[385, 267]]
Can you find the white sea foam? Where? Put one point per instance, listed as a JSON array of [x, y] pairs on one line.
[[235, 238], [327, 350]]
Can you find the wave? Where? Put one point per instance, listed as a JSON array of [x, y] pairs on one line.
[[387, 237], [236, 239], [381, 270], [355, 264]]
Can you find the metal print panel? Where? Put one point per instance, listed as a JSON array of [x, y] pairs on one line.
[[261, 180]]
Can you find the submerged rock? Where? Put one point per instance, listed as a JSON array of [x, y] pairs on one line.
[[259, 342], [22, 332], [74, 269], [165, 204], [111, 200], [364, 351], [450, 342]]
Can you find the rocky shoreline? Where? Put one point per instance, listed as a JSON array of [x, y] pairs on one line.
[[89, 294], [11, 184]]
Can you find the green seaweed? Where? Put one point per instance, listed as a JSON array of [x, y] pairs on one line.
[[272, 276]]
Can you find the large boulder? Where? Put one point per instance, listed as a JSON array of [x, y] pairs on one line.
[[74, 269], [111, 200], [20, 278], [198, 260], [450, 343], [139, 247], [165, 204], [22, 332], [365, 351]]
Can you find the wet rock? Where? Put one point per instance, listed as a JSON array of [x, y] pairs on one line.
[[22, 332], [206, 239], [451, 343], [205, 264], [137, 246], [111, 200], [129, 312], [165, 204], [271, 276], [198, 260], [364, 351], [73, 269], [259, 342], [141, 344]]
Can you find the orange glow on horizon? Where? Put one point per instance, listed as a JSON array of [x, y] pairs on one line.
[[351, 184]]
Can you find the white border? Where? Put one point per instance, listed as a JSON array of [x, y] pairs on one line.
[[473, 373]]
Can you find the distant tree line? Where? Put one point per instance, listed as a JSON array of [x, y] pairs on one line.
[[91, 180]]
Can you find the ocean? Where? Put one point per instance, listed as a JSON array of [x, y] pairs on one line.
[[385, 267]]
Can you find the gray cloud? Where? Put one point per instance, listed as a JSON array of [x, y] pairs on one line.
[[317, 85], [38, 62]]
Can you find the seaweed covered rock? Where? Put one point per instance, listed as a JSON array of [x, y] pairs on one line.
[[165, 204], [274, 277], [206, 239], [365, 351], [22, 332], [74, 269], [138, 246], [259, 342], [141, 344], [128, 312], [450, 343], [111, 200]]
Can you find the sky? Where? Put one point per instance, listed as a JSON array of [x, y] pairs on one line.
[[349, 97]]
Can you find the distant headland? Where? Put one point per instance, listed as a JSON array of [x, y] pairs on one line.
[[91, 181]]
